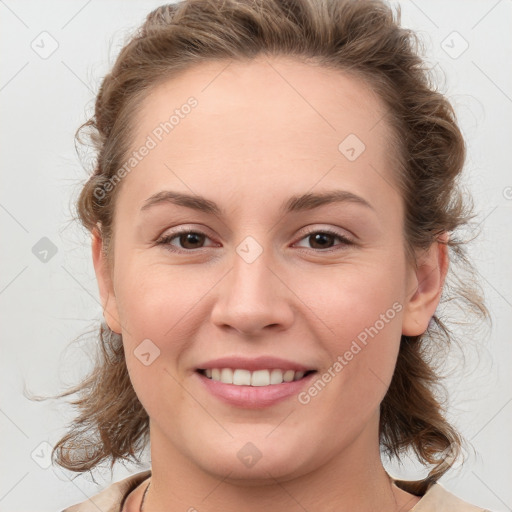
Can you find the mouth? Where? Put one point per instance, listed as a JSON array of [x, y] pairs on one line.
[[256, 378]]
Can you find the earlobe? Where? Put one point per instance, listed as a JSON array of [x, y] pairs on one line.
[[425, 287], [103, 277]]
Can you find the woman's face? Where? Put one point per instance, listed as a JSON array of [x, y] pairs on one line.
[[273, 278]]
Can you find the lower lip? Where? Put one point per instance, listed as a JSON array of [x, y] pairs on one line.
[[253, 397]]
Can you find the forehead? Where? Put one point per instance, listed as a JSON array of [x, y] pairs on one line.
[[260, 96], [259, 122]]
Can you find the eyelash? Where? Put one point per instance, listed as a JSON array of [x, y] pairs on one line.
[[165, 240]]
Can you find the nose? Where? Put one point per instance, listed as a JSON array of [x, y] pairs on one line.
[[253, 298]]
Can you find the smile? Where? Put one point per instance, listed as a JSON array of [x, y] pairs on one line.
[[242, 377], [255, 389]]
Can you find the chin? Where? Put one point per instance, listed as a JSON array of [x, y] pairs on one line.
[[254, 463]]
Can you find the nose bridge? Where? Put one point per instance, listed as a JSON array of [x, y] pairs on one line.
[[251, 274], [252, 296]]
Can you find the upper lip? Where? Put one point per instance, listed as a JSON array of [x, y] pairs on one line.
[[257, 363]]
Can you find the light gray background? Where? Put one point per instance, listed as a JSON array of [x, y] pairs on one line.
[[45, 305]]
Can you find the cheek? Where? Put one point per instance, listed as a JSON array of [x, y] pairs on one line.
[[353, 297], [156, 301], [157, 312], [362, 309], [161, 309]]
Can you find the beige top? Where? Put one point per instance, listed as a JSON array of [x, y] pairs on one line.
[[111, 499]]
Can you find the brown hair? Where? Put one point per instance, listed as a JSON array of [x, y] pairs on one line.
[[363, 38]]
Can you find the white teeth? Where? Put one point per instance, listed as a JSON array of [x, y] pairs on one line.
[[276, 377], [226, 375], [240, 377], [260, 378], [288, 375]]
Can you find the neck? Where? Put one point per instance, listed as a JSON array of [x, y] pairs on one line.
[[353, 480]]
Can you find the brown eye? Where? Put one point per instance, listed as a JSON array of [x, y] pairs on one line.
[[191, 240], [321, 240], [187, 241], [325, 240]]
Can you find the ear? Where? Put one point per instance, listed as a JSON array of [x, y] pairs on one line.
[[107, 295], [425, 286]]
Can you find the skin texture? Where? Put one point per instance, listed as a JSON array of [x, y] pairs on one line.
[[262, 132]]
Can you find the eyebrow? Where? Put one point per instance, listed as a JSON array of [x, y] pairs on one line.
[[297, 203]]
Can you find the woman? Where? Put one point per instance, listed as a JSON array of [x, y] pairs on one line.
[[273, 212]]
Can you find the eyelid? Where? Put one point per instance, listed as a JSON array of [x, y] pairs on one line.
[[184, 229], [345, 241], [330, 230]]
